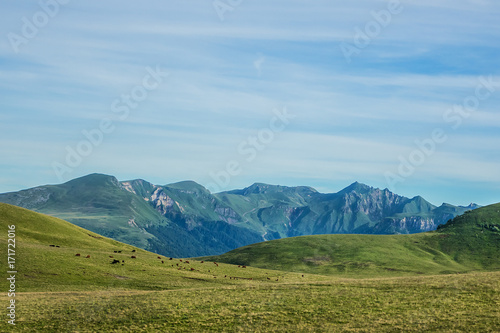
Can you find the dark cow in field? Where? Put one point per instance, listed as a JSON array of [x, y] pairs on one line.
[[133, 257], [88, 256], [159, 257], [115, 261], [77, 255], [133, 250]]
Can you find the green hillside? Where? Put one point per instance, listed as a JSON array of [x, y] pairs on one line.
[[467, 243], [46, 260], [95, 202]]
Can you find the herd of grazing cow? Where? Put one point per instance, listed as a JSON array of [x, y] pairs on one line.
[[180, 267]]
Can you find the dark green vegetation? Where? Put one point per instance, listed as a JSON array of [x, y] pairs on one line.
[[470, 242], [58, 291], [185, 219]]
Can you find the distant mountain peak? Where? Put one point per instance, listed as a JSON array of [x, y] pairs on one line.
[[188, 185], [357, 187], [94, 179], [472, 206]]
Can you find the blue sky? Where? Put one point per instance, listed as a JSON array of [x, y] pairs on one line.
[[414, 68]]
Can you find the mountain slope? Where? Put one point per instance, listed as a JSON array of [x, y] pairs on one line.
[[184, 219], [467, 243]]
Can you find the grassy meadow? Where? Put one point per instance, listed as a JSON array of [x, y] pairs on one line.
[[57, 291], [445, 303]]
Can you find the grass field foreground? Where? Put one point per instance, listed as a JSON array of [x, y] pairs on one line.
[[445, 303]]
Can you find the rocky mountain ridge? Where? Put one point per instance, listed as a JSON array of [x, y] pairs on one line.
[[185, 219]]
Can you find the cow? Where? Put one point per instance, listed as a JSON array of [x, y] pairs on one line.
[[133, 257], [88, 256], [115, 251], [77, 255], [133, 250], [170, 259], [192, 269], [52, 245], [159, 257], [162, 262], [111, 256], [244, 266], [115, 262], [180, 260], [202, 262]]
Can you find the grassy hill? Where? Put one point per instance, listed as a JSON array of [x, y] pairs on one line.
[[46, 260], [467, 243], [57, 291]]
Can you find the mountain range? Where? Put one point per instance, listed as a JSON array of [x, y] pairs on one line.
[[184, 219]]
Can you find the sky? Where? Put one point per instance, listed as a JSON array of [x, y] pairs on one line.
[[402, 95]]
